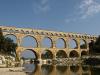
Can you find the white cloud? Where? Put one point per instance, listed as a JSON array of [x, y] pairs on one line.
[[41, 6], [89, 8], [85, 9]]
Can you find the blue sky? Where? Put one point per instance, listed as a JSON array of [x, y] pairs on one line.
[[80, 16]]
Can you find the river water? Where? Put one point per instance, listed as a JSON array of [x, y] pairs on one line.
[[61, 69]]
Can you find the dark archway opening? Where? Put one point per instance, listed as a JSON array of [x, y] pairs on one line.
[[73, 54], [61, 54], [46, 54], [84, 53]]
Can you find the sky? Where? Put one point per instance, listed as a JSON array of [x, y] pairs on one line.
[[79, 16]]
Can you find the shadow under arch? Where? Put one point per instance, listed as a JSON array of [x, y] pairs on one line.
[[61, 54], [29, 53], [73, 54], [47, 54], [84, 53]]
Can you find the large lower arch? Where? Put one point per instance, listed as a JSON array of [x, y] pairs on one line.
[[46, 54], [61, 54], [28, 54], [73, 54]]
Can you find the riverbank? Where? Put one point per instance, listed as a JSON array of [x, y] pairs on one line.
[[12, 71]]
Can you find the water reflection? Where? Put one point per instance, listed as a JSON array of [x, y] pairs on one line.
[[85, 67], [95, 70], [46, 69], [59, 69], [85, 74], [29, 68], [74, 68]]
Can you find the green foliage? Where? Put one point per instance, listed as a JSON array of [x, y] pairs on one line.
[[7, 45]]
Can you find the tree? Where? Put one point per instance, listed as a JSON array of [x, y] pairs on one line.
[[7, 45], [94, 47], [91, 47]]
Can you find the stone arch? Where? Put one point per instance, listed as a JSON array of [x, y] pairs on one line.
[[73, 54], [60, 43], [29, 41], [61, 54], [84, 53], [46, 54], [28, 54], [73, 44], [11, 36], [74, 68], [47, 42], [83, 44]]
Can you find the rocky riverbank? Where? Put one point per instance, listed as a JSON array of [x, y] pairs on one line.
[[12, 71]]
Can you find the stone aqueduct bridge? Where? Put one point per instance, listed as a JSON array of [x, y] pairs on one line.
[[39, 35]]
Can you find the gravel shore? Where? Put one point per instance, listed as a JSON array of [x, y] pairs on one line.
[[12, 71]]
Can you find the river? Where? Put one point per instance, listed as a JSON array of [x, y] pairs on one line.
[[61, 69]]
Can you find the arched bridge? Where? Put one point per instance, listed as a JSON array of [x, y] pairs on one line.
[[58, 46]]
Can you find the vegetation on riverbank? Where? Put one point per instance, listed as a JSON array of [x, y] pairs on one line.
[[94, 50], [7, 45]]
